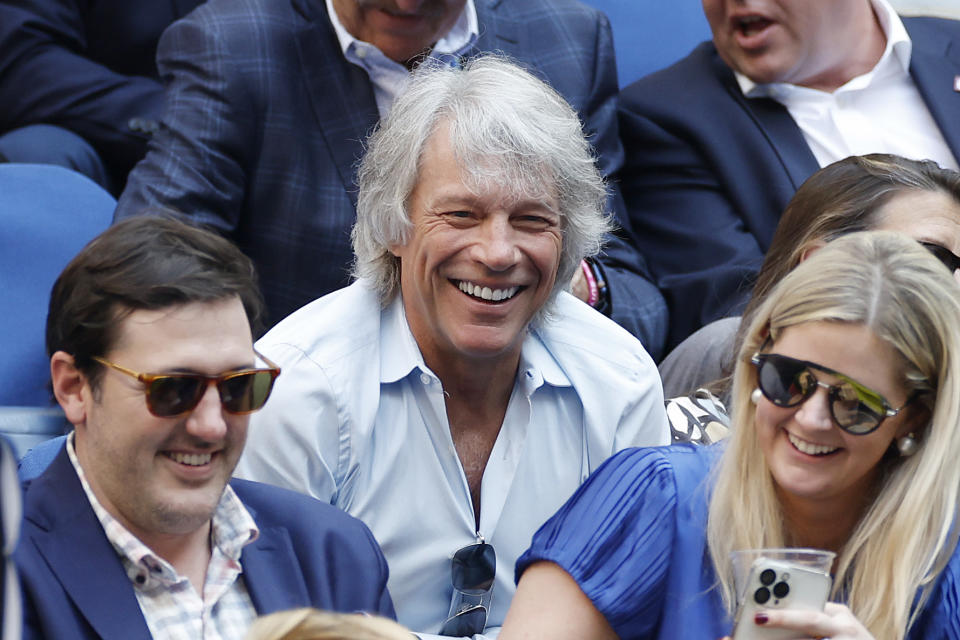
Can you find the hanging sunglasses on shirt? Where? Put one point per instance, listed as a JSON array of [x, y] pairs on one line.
[[472, 571], [173, 394], [788, 382]]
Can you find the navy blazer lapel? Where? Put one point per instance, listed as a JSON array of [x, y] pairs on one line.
[[340, 92], [74, 545], [777, 126], [935, 67], [271, 572]]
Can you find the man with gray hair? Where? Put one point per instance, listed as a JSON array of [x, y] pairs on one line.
[[454, 396]]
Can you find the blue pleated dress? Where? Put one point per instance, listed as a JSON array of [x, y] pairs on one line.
[[634, 538]]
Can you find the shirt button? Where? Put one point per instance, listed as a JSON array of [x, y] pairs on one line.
[[361, 52], [425, 379]]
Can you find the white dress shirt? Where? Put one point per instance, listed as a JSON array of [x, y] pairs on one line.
[[880, 111], [357, 419]]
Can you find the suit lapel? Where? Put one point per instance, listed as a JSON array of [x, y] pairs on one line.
[[271, 572], [934, 66], [340, 92], [495, 30], [74, 545], [776, 125]]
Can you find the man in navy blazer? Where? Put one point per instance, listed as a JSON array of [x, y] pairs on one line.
[[268, 109], [87, 68], [710, 168], [135, 529]]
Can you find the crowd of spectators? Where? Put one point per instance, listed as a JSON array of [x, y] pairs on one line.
[[378, 323]]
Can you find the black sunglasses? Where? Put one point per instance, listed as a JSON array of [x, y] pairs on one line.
[[944, 255], [173, 394], [787, 382], [472, 572]]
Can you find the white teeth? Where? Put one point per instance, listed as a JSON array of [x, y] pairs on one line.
[[191, 459], [486, 293], [808, 447]]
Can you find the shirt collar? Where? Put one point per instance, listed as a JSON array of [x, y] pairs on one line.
[[400, 355], [458, 40], [233, 528], [897, 52]]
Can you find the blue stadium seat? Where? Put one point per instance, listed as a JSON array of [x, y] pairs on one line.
[[27, 427], [649, 35], [47, 214]]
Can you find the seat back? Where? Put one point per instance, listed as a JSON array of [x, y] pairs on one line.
[[26, 427], [649, 35], [47, 214]]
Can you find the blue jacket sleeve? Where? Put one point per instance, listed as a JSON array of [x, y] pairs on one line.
[[638, 306], [199, 159], [46, 76], [614, 537]]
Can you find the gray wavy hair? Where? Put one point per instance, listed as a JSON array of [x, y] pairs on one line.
[[507, 128]]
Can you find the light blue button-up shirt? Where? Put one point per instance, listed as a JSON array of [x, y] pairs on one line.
[[389, 77], [357, 419]]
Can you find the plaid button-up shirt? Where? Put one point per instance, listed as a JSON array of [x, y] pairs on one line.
[[171, 606]]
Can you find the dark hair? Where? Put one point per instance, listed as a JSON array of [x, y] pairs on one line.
[[145, 262], [841, 198]]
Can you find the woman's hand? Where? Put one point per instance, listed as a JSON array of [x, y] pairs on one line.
[[835, 622]]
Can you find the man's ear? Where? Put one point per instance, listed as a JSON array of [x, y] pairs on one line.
[[810, 248], [70, 387]]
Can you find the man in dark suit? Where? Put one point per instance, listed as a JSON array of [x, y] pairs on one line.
[[270, 101], [79, 84], [718, 143], [135, 529]]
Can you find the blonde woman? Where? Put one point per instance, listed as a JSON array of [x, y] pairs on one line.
[[313, 624], [846, 438]]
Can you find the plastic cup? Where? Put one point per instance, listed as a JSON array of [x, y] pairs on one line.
[[811, 559]]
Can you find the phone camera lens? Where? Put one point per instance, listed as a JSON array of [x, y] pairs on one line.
[[781, 589], [767, 576], [761, 595]]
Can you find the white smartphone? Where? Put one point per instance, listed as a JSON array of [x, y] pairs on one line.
[[775, 584]]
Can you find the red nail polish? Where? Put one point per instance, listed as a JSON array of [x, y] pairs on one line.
[[761, 618]]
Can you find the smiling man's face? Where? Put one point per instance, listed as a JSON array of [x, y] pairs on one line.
[[401, 29], [165, 475], [478, 263]]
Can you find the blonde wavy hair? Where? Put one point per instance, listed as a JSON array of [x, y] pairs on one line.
[[904, 539], [313, 624]]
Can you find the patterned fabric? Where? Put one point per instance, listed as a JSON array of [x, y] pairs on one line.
[[171, 606], [699, 418]]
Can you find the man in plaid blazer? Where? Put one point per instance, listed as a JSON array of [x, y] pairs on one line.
[[268, 108]]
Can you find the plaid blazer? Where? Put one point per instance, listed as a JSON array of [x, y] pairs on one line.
[[265, 121]]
